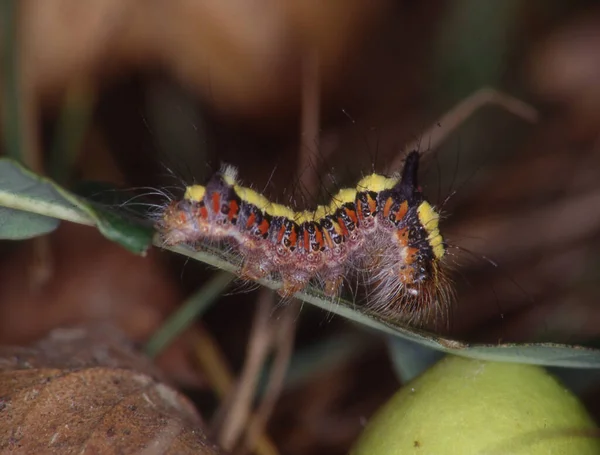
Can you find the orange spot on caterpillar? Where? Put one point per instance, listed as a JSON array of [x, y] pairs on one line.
[[402, 211], [372, 205], [352, 215], [319, 238], [280, 234], [358, 215], [411, 255], [387, 207], [306, 240], [293, 238], [233, 210], [263, 227], [343, 228], [328, 240], [216, 202], [402, 236], [251, 220]]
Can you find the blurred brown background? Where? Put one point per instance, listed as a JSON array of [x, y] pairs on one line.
[[314, 93]]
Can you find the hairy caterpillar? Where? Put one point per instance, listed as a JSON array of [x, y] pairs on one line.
[[383, 231]]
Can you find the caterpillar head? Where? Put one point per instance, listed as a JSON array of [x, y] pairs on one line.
[[179, 222]]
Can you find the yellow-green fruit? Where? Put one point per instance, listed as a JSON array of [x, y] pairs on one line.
[[467, 407]]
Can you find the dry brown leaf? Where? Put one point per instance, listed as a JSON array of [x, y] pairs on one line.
[[85, 390]]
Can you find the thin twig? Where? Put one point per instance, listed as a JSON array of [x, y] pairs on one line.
[[40, 269], [441, 129], [213, 363], [284, 344], [243, 394], [218, 374]]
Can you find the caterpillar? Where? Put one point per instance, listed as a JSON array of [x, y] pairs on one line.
[[383, 231]]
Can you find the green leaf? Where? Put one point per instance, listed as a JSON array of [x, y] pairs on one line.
[[19, 225], [33, 200], [192, 309]]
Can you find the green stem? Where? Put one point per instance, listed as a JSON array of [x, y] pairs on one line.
[[194, 307]]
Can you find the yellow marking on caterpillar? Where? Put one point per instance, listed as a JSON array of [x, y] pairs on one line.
[[305, 216], [343, 196], [376, 183], [195, 193], [252, 197], [321, 212], [429, 218], [281, 210]]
